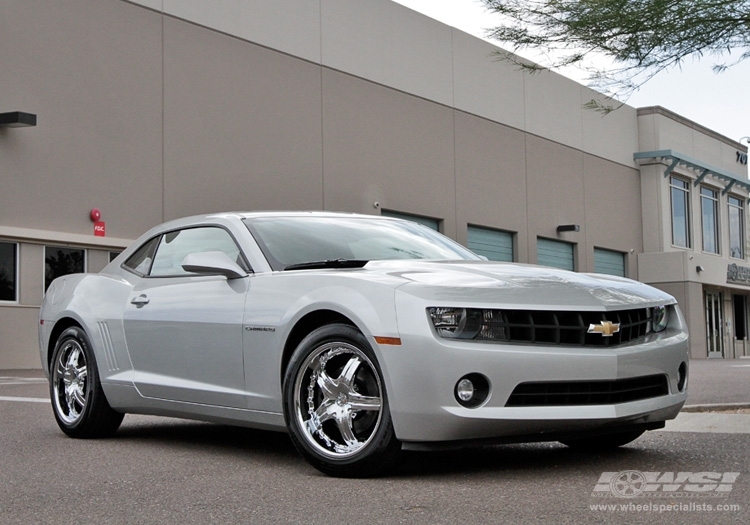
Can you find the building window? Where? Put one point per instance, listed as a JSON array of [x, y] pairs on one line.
[[680, 197], [609, 262], [8, 271], [62, 261], [736, 227], [433, 224], [496, 245], [557, 254], [710, 220]]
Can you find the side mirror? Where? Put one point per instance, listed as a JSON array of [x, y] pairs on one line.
[[213, 263]]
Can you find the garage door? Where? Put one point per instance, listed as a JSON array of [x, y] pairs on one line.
[[557, 254], [425, 221], [609, 261], [494, 244]]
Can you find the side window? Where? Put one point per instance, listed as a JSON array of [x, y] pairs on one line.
[[175, 246], [140, 261]]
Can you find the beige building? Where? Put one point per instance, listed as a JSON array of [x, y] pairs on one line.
[[695, 192], [148, 110]]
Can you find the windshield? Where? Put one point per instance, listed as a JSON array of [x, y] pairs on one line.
[[293, 241]]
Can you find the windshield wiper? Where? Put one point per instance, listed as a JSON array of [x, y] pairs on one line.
[[329, 263]]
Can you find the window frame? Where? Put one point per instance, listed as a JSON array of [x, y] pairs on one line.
[[710, 195], [16, 275], [740, 206], [684, 188]]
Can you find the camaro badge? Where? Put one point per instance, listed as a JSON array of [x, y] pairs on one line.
[[606, 328]]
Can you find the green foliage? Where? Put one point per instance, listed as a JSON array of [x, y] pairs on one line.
[[641, 37]]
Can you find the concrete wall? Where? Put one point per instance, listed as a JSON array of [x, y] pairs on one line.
[[659, 128], [389, 44], [151, 110]]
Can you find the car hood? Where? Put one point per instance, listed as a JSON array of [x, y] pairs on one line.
[[517, 285]]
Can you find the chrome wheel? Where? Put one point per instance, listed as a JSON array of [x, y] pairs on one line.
[[78, 401], [70, 382], [338, 400]]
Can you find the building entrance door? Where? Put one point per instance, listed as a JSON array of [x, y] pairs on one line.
[[714, 324]]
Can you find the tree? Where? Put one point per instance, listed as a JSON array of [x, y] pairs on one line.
[[642, 37]]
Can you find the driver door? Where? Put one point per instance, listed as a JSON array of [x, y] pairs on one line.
[[183, 330]]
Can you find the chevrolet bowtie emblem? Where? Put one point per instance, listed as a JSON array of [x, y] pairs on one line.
[[606, 328]]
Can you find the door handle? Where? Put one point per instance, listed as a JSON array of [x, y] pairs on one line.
[[139, 301]]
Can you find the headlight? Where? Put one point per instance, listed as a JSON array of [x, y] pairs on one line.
[[469, 323], [659, 318], [455, 323]]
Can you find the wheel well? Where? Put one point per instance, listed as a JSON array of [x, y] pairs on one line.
[[306, 325], [61, 325]]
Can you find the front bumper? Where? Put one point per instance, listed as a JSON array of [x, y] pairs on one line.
[[422, 373]]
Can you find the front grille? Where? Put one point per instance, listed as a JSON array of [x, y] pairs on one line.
[[567, 328], [577, 393]]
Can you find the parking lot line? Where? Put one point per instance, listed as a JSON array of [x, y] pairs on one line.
[[24, 399]]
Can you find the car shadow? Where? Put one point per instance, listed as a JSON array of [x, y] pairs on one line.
[[531, 458], [225, 439]]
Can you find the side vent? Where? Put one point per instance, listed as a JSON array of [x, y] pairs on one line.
[[109, 349]]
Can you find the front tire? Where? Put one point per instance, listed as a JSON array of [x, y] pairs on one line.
[[78, 401], [336, 407]]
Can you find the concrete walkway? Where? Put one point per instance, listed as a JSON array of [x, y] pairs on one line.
[[718, 423]]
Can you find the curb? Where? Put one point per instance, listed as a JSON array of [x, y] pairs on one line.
[[714, 407]]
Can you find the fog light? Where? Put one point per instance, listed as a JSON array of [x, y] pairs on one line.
[[472, 390], [465, 390]]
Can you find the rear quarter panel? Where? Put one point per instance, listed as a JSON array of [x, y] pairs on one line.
[[96, 303]]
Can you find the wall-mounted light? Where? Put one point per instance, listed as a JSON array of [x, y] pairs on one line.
[[17, 119], [568, 228], [699, 268]]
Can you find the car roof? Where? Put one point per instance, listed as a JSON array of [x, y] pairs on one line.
[[241, 215], [310, 213]]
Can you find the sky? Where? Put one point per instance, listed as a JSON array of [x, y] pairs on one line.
[[720, 102]]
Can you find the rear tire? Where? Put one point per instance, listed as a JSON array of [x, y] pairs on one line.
[[78, 401], [336, 407]]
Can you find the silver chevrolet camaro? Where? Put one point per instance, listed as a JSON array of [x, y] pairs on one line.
[[360, 336]]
